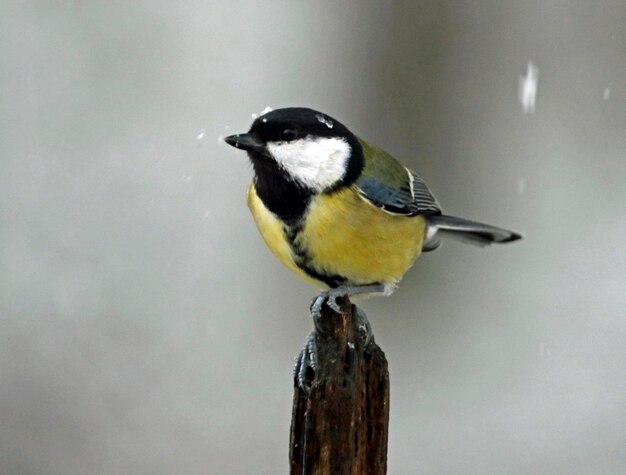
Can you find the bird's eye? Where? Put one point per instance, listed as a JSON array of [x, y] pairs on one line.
[[288, 134]]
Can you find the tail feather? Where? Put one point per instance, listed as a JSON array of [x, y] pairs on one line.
[[464, 230]]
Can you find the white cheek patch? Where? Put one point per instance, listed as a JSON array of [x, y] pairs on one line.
[[317, 163]]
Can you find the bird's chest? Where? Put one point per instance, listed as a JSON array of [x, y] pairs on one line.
[[278, 236], [341, 238], [343, 235]]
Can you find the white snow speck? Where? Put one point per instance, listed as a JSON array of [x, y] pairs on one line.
[[351, 345], [201, 134], [607, 93], [186, 178], [327, 122], [527, 95], [263, 112], [226, 127], [521, 186], [264, 120], [220, 139], [544, 351], [207, 214]]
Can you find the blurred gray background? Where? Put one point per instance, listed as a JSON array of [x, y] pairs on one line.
[[144, 326]]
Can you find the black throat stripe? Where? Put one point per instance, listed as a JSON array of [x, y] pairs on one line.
[[278, 192], [303, 259]]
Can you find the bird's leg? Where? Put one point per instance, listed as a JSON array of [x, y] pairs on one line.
[[306, 362], [331, 296]]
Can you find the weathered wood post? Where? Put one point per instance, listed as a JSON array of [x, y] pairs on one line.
[[340, 426]]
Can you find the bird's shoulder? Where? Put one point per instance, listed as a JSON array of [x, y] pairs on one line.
[[392, 187]]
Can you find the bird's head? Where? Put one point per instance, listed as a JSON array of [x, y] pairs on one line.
[[304, 146]]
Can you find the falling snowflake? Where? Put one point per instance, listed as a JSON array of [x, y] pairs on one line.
[[528, 88]]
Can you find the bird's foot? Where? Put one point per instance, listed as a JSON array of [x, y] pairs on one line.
[[306, 361], [306, 364], [344, 291]]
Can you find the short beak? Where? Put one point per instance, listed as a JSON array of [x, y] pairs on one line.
[[246, 142]]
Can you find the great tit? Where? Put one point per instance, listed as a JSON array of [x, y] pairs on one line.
[[341, 213]]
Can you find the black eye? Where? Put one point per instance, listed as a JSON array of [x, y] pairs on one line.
[[288, 134]]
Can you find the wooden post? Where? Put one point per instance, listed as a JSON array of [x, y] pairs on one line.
[[340, 427]]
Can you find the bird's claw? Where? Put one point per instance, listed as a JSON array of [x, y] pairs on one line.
[[332, 302], [364, 327], [306, 361], [306, 364], [330, 297]]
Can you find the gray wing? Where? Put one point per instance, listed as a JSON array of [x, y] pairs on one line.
[[407, 198], [425, 200]]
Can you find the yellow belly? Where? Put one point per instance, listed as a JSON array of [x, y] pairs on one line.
[[346, 236]]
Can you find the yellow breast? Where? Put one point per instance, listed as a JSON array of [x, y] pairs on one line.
[[346, 236], [273, 233]]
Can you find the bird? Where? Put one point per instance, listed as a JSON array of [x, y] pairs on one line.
[[341, 213]]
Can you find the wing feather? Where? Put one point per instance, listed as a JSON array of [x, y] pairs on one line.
[[395, 189]]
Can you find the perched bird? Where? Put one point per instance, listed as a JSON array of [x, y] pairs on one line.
[[341, 213]]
